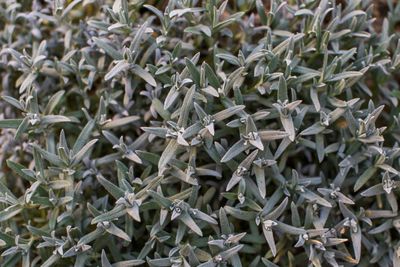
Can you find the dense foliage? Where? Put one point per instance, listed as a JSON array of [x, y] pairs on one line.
[[199, 133]]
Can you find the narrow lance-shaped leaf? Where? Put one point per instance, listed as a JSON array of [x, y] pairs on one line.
[[83, 151], [168, 154], [235, 150], [365, 176], [120, 67], [111, 51], [139, 71], [282, 89], [10, 123]]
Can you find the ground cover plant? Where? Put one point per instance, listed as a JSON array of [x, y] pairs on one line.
[[199, 133]]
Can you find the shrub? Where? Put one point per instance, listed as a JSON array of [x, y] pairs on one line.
[[199, 133]]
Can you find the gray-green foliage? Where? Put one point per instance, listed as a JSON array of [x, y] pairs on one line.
[[199, 133]]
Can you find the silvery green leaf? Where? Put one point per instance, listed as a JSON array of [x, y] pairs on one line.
[[186, 107], [232, 19], [157, 131], [13, 101], [194, 72], [209, 90], [115, 213], [50, 119], [168, 154], [69, 7], [381, 228], [121, 66], [104, 260], [203, 216], [277, 212], [18, 57], [356, 241], [91, 236], [83, 151], [139, 71], [269, 236], [84, 136], [224, 222], [39, 164], [129, 263], [133, 157], [246, 163], [114, 190], [260, 179], [219, 243], [234, 80], [296, 221], [208, 264], [282, 89], [138, 37], [227, 254], [189, 222], [120, 122], [54, 101], [148, 157], [288, 229], [270, 135], [344, 75], [304, 12], [315, 99], [198, 29], [10, 212], [226, 113], [279, 49], [307, 194], [117, 26], [235, 179], [240, 214], [314, 129], [159, 107], [373, 191], [364, 177], [388, 168], [320, 146], [134, 212], [235, 150], [159, 262], [157, 12], [211, 76], [18, 168], [183, 11], [51, 260], [109, 49], [200, 111], [375, 214], [112, 229], [6, 192], [288, 125], [163, 201], [154, 182], [229, 58], [176, 172], [171, 98], [10, 123], [146, 249], [162, 70], [22, 126]]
